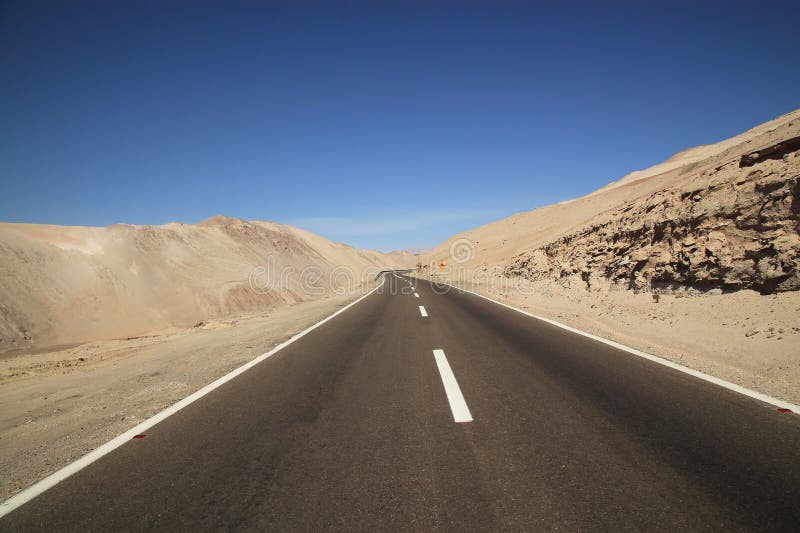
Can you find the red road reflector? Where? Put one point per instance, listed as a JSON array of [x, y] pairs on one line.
[[784, 410], [139, 436]]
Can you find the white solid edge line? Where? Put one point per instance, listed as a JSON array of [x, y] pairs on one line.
[[416, 295], [457, 404], [422, 310], [656, 359], [53, 479]]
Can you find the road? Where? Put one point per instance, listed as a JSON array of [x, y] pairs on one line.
[[359, 426]]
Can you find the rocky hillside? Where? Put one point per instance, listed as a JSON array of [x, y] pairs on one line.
[[63, 285], [719, 217], [734, 227]]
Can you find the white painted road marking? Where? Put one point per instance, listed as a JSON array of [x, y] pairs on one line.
[[654, 358], [457, 404], [60, 475], [422, 310], [416, 295]]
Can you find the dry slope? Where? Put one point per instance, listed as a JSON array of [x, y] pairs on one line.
[[61, 285], [722, 216]]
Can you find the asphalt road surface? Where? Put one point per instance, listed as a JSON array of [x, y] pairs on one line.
[[513, 424]]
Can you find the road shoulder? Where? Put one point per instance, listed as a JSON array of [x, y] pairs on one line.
[[64, 403]]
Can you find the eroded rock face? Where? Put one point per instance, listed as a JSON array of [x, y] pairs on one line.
[[734, 227], [776, 151]]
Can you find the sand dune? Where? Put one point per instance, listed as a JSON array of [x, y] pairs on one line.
[[63, 285]]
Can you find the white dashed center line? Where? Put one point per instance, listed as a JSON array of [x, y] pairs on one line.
[[457, 404], [416, 295], [422, 310]]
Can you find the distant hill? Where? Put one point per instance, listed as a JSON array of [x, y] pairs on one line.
[[62, 285]]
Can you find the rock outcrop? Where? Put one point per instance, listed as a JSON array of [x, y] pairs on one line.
[[733, 226]]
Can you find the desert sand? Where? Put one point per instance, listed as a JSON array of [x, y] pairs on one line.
[[65, 285], [696, 259]]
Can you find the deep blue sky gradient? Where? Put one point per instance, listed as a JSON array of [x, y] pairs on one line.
[[385, 125]]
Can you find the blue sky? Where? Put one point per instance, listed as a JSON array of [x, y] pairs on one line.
[[385, 125]]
